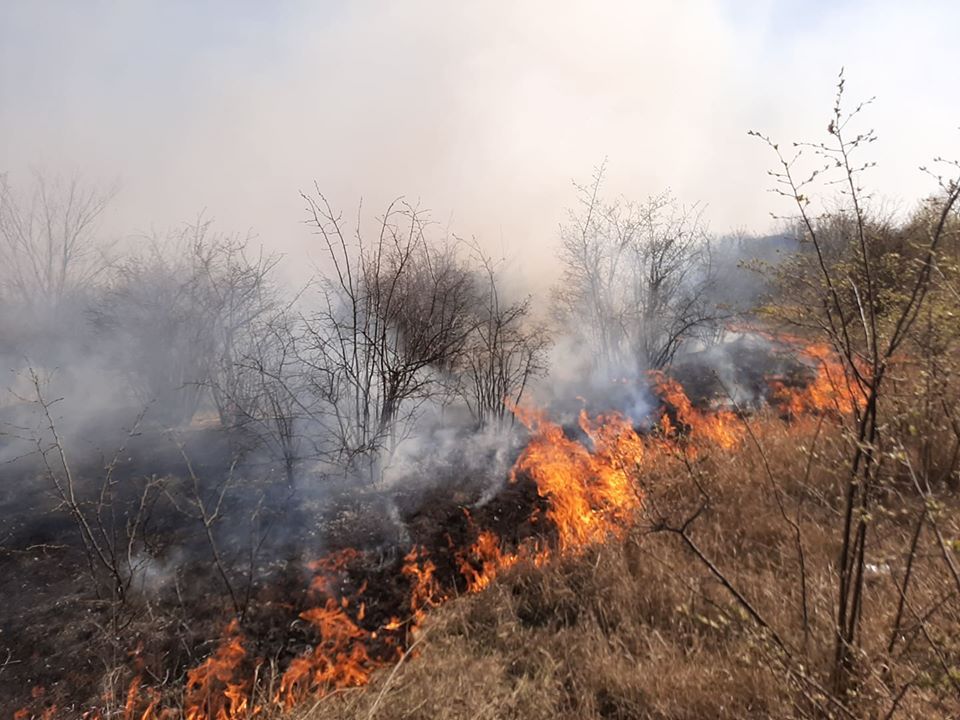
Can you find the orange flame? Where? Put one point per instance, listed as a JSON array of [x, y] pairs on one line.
[[721, 428], [826, 393], [425, 590], [590, 494], [213, 690], [481, 563], [339, 660], [133, 695]]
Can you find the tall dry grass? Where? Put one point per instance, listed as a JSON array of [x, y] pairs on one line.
[[642, 628]]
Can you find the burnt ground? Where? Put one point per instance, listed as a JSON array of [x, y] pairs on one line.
[[738, 372], [66, 641]]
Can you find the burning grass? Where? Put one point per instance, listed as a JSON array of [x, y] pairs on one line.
[[573, 592], [636, 627]]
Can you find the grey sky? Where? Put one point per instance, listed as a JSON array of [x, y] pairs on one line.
[[483, 111]]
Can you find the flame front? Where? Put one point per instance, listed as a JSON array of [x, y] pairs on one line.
[[721, 428], [591, 494], [826, 393], [339, 660], [214, 690], [591, 491], [481, 563]]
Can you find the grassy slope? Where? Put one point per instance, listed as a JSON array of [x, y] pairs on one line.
[[640, 629]]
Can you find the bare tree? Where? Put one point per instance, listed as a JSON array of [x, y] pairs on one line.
[[48, 245], [841, 296], [503, 353], [266, 394], [179, 314], [671, 280], [112, 529], [636, 277], [396, 314]]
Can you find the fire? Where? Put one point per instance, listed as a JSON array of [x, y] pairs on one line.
[[341, 657], [592, 491], [721, 428], [133, 702], [149, 712], [344, 656], [425, 590], [329, 567], [339, 660], [481, 563], [133, 694], [214, 690], [591, 495], [826, 393]]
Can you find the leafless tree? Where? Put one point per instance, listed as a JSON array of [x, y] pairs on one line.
[[841, 296], [395, 316], [504, 352], [636, 277], [48, 244], [208, 511], [180, 311], [112, 528], [267, 394]]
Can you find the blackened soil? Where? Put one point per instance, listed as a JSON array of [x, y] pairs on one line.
[[67, 639]]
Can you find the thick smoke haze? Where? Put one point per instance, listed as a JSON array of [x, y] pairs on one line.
[[316, 315], [484, 112]]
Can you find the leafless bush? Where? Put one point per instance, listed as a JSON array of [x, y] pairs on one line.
[[503, 355], [178, 315], [636, 279], [112, 528], [396, 315], [268, 394], [48, 245]]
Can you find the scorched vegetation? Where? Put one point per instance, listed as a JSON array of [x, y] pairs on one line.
[[704, 480]]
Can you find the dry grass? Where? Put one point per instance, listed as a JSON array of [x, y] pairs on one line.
[[639, 628]]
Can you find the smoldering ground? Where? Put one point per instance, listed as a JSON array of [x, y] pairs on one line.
[[200, 518]]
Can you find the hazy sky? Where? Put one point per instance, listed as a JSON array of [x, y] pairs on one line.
[[484, 111]]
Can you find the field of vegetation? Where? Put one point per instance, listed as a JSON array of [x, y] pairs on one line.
[[706, 477]]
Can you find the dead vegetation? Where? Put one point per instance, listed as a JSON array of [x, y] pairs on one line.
[[778, 539], [641, 628]]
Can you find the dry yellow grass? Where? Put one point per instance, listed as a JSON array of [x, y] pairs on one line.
[[640, 628]]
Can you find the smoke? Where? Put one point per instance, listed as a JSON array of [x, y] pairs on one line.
[[483, 112], [55, 353], [736, 372], [452, 453]]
